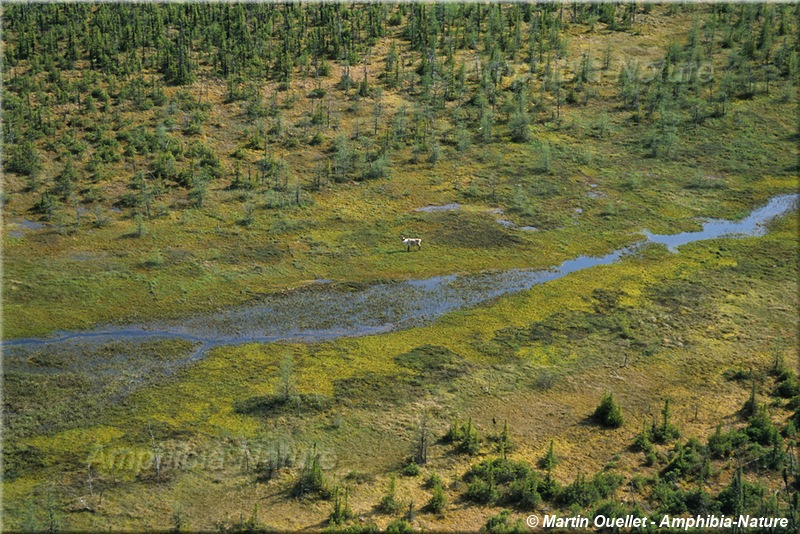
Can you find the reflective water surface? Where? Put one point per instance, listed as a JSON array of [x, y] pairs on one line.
[[325, 310]]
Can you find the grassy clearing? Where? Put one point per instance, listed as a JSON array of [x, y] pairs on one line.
[[242, 243]]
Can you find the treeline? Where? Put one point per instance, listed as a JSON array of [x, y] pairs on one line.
[[472, 73]]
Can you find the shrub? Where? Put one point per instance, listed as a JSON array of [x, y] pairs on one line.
[[434, 153], [584, 492], [505, 480], [317, 139], [790, 430], [750, 406], [462, 139], [686, 459], [761, 430], [608, 413], [501, 524], [251, 525], [673, 500], [465, 437], [773, 458], [723, 445], [498, 470], [643, 442], [272, 404], [482, 491], [503, 441], [47, 205], [518, 126], [549, 488], [740, 496], [454, 433], [165, 166], [369, 528], [341, 511], [197, 195], [411, 469], [399, 526], [311, 480], [434, 480], [280, 457], [736, 375], [438, 501], [665, 431], [101, 219], [795, 404], [525, 491], [470, 443], [610, 509], [788, 385], [24, 159], [389, 502], [549, 460], [607, 483], [129, 200], [545, 160], [699, 501], [63, 183], [377, 169]]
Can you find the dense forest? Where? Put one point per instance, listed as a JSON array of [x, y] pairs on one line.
[[163, 160]]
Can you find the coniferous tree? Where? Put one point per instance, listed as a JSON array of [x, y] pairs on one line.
[[608, 413]]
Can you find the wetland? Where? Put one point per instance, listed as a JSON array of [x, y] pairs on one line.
[[210, 322]]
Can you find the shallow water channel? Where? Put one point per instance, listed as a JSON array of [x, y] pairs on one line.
[[326, 310]]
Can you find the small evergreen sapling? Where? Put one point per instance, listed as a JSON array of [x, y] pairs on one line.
[[340, 511], [390, 504], [438, 500], [608, 413], [666, 431], [549, 460]]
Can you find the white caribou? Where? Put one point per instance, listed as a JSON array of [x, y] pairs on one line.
[[409, 241]]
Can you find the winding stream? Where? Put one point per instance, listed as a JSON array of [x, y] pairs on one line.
[[325, 311]]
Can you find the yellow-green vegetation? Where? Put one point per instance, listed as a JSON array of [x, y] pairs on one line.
[[674, 327], [280, 211], [191, 173]]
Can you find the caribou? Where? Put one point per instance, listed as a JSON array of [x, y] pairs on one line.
[[409, 241]]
